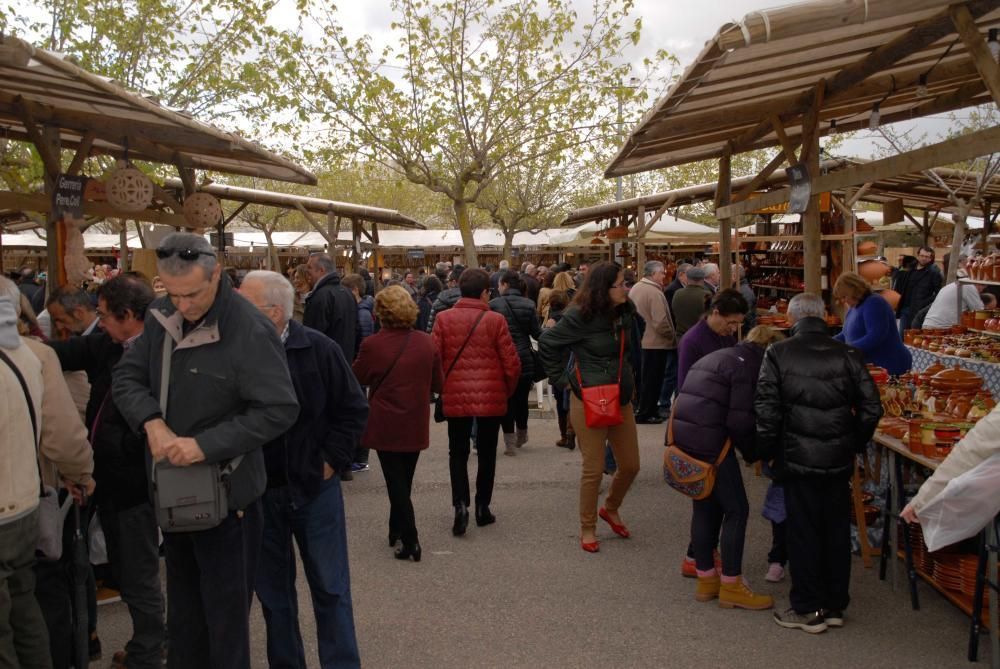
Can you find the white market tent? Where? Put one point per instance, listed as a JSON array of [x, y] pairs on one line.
[[669, 229]]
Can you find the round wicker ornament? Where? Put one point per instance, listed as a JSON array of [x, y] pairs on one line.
[[202, 210], [129, 190]]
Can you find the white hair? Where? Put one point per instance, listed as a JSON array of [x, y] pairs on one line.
[[504, 264], [710, 269], [277, 290], [652, 267], [9, 289], [806, 305]]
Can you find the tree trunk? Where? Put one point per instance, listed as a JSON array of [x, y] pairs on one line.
[[508, 244], [272, 255], [465, 227]]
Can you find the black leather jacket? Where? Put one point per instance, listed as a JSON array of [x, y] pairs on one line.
[[522, 320], [816, 404]]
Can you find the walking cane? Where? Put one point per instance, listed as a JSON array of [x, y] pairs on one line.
[[81, 635]]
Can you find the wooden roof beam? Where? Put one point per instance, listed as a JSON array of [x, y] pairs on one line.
[[954, 150], [52, 162], [762, 176], [965, 24]]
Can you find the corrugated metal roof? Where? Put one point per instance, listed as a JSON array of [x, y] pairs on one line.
[[51, 90], [768, 66]]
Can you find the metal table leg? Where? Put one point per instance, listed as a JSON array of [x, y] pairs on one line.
[[911, 571]]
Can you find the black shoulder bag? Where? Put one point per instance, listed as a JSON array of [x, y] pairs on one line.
[[439, 416]]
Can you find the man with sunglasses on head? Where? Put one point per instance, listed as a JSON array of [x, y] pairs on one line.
[[229, 394]]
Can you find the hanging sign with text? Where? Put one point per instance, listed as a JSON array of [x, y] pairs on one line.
[[67, 197]]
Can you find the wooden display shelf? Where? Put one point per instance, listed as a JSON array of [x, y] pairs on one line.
[[801, 269], [959, 599], [787, 290], [992, 333], [981, 282]]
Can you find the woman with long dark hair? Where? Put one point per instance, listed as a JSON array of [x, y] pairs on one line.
[[595, 331]]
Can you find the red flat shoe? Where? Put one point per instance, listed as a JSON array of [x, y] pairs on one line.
[[590, 547], [620, 530]]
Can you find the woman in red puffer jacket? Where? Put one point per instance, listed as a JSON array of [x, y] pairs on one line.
[[478, 381]]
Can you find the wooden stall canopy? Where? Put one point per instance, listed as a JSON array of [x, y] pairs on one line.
[[756, 83], [93, 113], [311, 204]]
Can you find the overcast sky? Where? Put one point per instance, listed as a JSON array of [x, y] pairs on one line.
[[680, 26]]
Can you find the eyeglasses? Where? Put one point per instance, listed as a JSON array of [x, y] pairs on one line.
[[184, 254], [618, 285]]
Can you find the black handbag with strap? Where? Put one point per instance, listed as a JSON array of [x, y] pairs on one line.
[[439, 416], [536, 360]]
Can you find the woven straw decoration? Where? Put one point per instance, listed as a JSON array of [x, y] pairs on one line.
[[129, 190], [202, 210]]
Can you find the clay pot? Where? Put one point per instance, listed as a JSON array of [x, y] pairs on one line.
[[873, 270], [867, 248], [958, 379]]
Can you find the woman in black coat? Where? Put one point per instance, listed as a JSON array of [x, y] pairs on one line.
[[714, 411], [522, 320]]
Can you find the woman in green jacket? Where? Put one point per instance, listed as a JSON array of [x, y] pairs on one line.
[[594, 329]]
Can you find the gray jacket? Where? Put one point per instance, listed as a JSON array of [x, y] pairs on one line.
[[229, 385]]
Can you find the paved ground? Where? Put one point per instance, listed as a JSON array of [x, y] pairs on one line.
[[521, 593]]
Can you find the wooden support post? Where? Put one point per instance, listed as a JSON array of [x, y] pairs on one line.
[[811, 223], [723, 192], [187, 178], [332, 228], [82, 153], [375, 245], [927, 227], [50, 146], [965, 24], [984, 242], [142, 237]]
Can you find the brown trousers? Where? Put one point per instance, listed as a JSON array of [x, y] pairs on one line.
[[625, 446]]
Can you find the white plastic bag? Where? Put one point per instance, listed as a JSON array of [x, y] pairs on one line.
[[964, 507]]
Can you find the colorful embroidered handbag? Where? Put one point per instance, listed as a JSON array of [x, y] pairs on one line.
[[687, 474], [601, 404]]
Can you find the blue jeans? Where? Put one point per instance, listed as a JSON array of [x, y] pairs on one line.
[[905, 320], [321, 534]]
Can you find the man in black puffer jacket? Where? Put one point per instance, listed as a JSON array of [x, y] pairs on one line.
[[817, 408], [331, 307], [522, 321]]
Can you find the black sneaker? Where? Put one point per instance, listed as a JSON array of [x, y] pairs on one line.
[[833, 617], [94, 647], [812, 622]]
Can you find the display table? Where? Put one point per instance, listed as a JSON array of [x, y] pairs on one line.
[[989, 371], [898, 452]]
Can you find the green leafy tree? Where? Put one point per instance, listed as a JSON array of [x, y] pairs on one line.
[[466, 87]]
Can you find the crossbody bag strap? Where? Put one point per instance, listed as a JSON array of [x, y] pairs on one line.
[[31, 412], [377, 385], [464, 343], [670, 423], [724, 453]]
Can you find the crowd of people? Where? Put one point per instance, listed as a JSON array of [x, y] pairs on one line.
[[277, 386]]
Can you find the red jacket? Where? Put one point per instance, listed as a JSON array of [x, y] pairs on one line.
[[488, 371], [399, 411]]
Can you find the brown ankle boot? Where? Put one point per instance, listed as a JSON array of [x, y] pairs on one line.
[[708, 588], [738, 596]]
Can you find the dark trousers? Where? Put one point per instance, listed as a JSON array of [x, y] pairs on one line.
[[459, 431], [24, 640], [818, 533], [669, 380], [54, 584], [320, 531], [726, 509], [562, 409], [398, 469], [906, 319], [134, 553], [654, 363], [210, 579], [779, 545], [517, 407]]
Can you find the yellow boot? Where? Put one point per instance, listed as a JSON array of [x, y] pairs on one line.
[[738, 596], [708, 588]]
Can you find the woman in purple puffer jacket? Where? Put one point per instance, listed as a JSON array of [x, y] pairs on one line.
[[715, 407]]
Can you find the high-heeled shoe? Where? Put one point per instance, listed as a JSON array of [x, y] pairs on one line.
[[590, 546], [483, 516], [461, 519], [405, 552], [393, 538], [620, 530]]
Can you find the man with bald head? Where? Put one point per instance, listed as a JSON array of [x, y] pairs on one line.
[[303, 497]]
